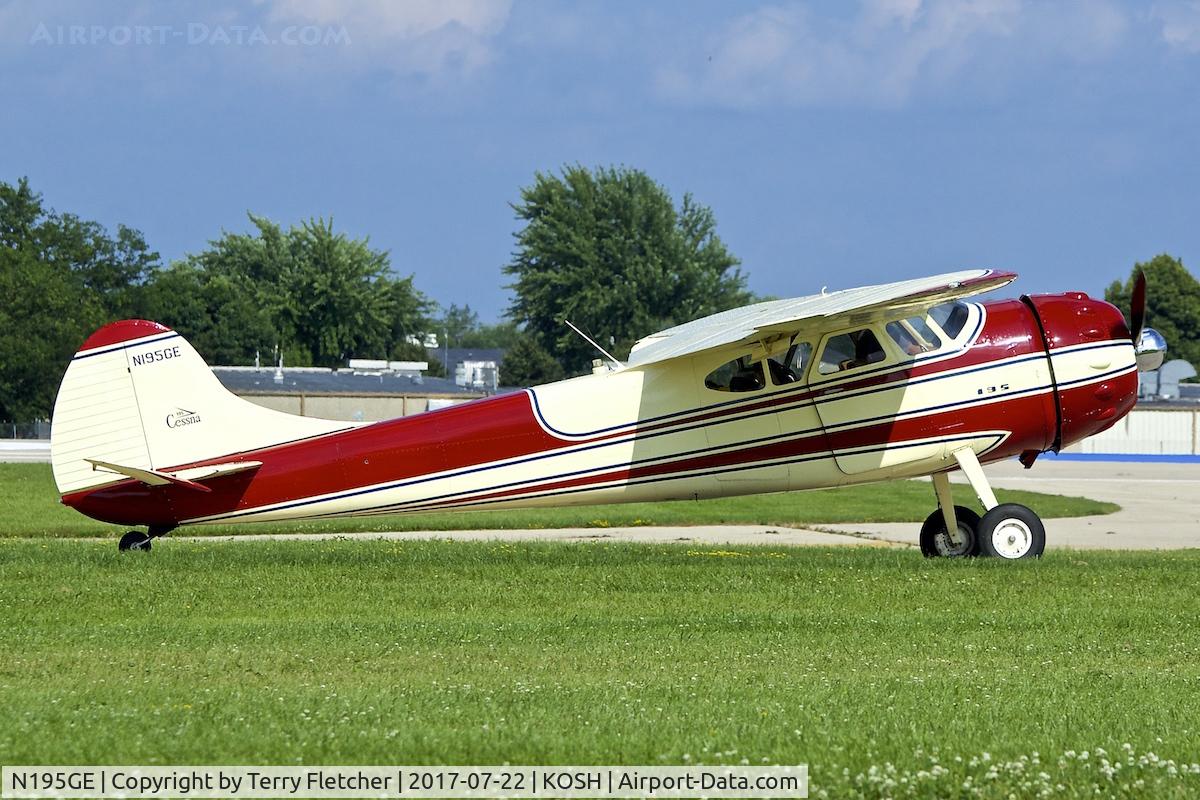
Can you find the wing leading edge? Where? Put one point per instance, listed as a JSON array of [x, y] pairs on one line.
[[774, 318]]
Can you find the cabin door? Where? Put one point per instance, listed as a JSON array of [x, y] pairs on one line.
[[769, 424], [858, 396]]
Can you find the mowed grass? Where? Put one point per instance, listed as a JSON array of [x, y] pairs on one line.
[[889, 674], [29, 506]]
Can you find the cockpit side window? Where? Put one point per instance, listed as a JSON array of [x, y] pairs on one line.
[[738, 375], [951, 317], [789, 367], [850, 351], [913, 335]]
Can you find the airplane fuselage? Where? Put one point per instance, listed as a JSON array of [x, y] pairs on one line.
[[1019, 377]]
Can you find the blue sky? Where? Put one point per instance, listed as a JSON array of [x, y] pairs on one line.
[[838, 143]]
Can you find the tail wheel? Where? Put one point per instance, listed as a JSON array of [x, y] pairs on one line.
[[134, 540], [1011, 531], [937, 542]]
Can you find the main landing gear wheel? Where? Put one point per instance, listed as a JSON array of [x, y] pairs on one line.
[[1011, 531], [936, 541], [134, 540]]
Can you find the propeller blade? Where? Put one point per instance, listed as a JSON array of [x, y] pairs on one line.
[[1137, 310]]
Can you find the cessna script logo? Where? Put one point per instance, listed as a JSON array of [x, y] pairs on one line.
[[181, 417]]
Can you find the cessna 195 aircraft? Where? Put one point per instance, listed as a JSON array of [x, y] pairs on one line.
[[869, 384]]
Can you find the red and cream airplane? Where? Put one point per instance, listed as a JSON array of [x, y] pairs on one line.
[[869, 384]]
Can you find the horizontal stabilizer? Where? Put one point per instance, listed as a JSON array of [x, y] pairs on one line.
[[213, 470], [185, 477]]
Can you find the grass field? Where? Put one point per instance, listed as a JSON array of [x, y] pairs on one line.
[[29, 507], [889, 674]]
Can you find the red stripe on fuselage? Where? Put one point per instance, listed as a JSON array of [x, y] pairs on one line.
[[977, 420]]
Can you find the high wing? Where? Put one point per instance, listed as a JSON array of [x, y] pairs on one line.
[[819, 312]]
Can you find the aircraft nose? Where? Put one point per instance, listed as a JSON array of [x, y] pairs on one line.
[[1089, 347], [1151, 349]]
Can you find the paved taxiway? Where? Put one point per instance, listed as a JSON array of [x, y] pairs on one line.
[[701, 536], [28, 451], [1160, 504]]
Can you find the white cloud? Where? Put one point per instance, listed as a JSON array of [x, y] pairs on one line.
[[418, 44], [434, 38], [1180, 25], [885, 52]]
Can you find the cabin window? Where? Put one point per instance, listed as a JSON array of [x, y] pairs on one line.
[[950, 317], [913, 335], [738, 375], [789, 367], [850, 351]]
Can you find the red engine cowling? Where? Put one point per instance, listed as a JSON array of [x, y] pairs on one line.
[[1092, 362]]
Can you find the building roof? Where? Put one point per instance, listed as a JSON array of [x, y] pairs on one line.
[[248, 380], [456, 355]]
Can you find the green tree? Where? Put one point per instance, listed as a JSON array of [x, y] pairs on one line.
[[318, 295], [456, 324], [409, 311], [526, 363], [218, 312], [1172, 304], [609, 250], [461, 328], [501, 335], [61, 277]]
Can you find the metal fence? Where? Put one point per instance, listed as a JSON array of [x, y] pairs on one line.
[[38, 429]]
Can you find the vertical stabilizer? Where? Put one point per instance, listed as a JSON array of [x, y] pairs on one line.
[[138, 394]]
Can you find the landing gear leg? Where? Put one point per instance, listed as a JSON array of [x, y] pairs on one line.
[[1007, 530], [969, 464], [950, 530], [136, 540]]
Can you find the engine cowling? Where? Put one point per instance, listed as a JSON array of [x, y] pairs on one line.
[[1092, 362]]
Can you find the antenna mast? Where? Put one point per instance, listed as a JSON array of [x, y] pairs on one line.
[[592, 342]]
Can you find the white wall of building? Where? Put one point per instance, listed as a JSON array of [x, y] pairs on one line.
[[1153, 431], [355, 408]]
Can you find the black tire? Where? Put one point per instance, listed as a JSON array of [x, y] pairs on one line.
[[134, 540], [935, 543], [1011, 531]]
